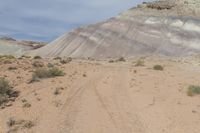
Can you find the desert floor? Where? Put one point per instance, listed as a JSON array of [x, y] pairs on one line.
[[103, 97]]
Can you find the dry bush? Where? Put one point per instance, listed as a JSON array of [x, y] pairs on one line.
[[158, 67], [65, 61], [37, 57], [122, 59], [139, 62], [6, 92], [16, 125], [38, 63]]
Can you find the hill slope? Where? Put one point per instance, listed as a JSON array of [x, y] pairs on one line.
[[169, 28]]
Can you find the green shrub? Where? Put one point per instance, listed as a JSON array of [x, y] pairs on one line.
[[41, 73], [5, 87], [5, 90], [50, 65], [193, 90], [158, 67], [37, 57], [55, 72]]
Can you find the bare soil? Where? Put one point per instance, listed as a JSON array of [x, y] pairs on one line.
[[103, 97]]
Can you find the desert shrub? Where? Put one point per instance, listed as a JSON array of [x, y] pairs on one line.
[[55, 72], [28, 124], [16, 125], [65, 61], [193, 90], [26, 56], [50, 65], [57, 58], [26, 105], [12, 68], [38, 64], [5, 87], [122, 59], [111, 61], [5, 90], [37, 57], [158, 67], [140, 62], [7, 57], [11, 122], [41, 73]]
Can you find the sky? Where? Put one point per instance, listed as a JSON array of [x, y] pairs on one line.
[[45, 20]]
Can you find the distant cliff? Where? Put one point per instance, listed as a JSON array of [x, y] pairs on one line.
[[166, 28]]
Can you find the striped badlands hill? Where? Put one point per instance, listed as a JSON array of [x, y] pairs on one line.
[[168, 28]]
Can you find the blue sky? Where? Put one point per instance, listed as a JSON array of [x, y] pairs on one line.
[[44, 20]]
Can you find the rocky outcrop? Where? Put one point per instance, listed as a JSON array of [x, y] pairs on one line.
[[167, 28], [161, 5]]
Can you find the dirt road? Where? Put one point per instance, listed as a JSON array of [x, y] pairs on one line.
[[101, 97]]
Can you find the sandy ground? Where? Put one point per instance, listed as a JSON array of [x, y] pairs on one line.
[[102, 97]]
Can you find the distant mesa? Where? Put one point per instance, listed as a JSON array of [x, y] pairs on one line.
[[10, 46], [6, 38]]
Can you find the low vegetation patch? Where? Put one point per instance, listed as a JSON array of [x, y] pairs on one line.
[[158, 67], [58, 90], [65, 61], [57, 58], [50, 65], [139, 62], [193, 90], [26, 56], [16, 125], [42, 73], [111, 61], [12, 68], [7, 59], [37, 57], [122, 59], [38, 63], [6, 92]]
